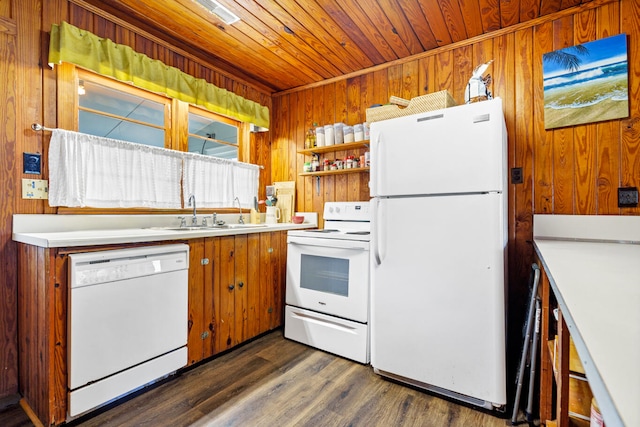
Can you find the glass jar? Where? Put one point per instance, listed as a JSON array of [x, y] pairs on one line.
[[348, 134], [310, 140], [349, 162], [358, 132], [306, 167], [320, 136]]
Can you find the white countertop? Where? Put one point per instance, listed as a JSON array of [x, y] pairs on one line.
[[55, 231], [597, 285]]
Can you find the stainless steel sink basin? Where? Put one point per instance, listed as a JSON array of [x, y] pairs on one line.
[[245, 225], [207, 227], [191, 228]]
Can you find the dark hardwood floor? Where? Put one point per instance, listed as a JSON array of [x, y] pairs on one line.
[[276, 382]]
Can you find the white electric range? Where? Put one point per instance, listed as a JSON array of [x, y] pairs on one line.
[[327, 296]]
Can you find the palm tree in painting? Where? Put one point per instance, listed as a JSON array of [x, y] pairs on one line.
[[567, 59]]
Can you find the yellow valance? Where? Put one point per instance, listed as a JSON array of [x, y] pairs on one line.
[[73, 45]]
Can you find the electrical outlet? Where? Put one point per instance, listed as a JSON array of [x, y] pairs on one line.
[[35, 189], [627, 197], [516, 176]]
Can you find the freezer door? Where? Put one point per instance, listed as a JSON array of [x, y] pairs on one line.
[[454, 150], [437, 289]]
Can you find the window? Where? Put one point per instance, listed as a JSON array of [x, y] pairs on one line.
[[110, 108], [116, 110], [212, 135]]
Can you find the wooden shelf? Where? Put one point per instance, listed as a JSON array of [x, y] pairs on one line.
[[573, 422], [335, 147], [334, 172]]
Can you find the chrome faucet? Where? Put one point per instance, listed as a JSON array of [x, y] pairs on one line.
[[192, 202], [240, 220]]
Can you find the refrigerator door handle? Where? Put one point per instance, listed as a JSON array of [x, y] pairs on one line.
[[375, 236], [375, 166]]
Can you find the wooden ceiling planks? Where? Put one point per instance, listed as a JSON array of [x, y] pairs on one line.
[[355, 34], [419, 23], [284, 44], [509, 12], [471, 16], [490, 15]]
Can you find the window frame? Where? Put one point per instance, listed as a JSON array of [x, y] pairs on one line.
[[176, 126], [196, 109], [84, 75]]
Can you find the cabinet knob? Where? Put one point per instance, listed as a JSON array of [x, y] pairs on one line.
[[241, 284], [204, 261], [231, 287]]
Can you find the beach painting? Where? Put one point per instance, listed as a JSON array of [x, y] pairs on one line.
[[586, 83]]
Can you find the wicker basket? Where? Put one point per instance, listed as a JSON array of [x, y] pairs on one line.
[[419, 104]]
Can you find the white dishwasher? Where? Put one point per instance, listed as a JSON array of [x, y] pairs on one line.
[[127, 321]]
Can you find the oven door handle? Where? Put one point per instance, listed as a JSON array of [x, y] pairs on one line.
[[335, 244], [330, 247]]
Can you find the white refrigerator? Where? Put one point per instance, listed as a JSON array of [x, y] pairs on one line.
[[438, 251]]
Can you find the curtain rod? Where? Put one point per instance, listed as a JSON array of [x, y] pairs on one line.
[[38, 127]]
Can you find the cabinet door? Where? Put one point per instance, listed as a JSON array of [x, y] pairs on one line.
[[282, 262], [252, 287], [225, 299], [211, 281], [271, 281], [241, 288], [196, 297]]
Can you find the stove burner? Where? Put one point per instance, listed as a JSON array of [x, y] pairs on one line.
[[361, 233], [325, 230]]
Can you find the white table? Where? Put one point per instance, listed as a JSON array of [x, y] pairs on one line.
[[597, 286]]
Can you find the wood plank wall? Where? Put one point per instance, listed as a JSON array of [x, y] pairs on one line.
[[29, 96], [574, 170], [8, 188]]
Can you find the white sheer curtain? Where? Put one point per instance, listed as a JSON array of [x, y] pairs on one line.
[[216, 182], [86, 170]]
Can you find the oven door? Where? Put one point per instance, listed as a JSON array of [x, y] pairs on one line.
[[329, 276]]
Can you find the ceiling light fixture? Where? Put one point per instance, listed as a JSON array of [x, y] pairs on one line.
[[219, 10]]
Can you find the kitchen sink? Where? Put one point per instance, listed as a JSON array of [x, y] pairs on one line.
[[245, 225], [191, 228], [207, 227]]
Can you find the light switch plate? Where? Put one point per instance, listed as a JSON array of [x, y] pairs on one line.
[[35, 189]]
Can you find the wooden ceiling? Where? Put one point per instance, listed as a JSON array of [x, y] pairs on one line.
[[283, 44]]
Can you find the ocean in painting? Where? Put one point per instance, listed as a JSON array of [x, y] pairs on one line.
[[596, 91]]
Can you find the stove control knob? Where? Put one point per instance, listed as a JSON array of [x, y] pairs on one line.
[[330, 209], [337, 209]]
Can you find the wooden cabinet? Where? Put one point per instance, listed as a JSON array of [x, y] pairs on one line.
[[236, 290], [42, 327], [319, 151]]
